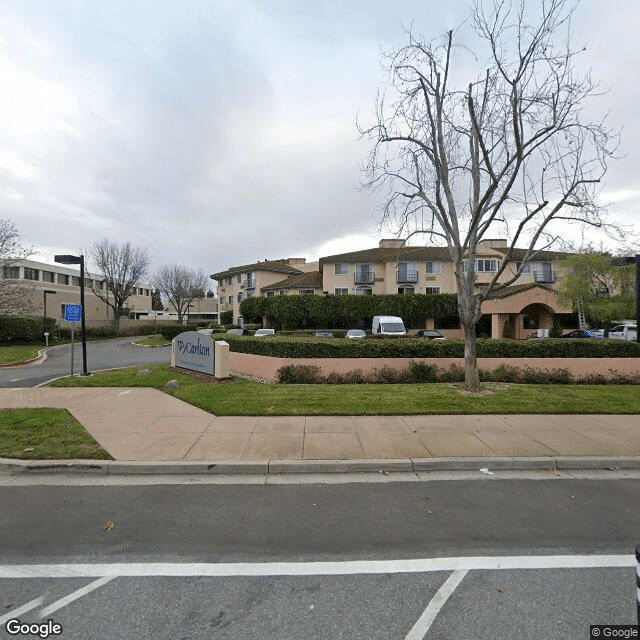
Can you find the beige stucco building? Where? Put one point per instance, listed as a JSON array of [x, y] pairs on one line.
[[527, 305], [57, 286]]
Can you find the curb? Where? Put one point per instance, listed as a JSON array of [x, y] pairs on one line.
[[281, 467]]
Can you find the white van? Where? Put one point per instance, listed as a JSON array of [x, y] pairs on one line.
[[388, 326]]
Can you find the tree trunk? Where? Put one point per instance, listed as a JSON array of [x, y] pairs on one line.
[[471, 375]]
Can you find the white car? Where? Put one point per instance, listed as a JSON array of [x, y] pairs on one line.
[[264, 332], [355, 334]]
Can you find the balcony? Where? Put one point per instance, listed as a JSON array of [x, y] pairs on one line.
[[544, 276], [251, 283], [364, 277], [403, 275]]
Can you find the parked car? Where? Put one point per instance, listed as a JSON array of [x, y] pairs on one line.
[[578, 333], [430, 334], [598, 334], [624, 332], [207, 332], [238, 332], [264, 332], [354, 334], [324, 333]]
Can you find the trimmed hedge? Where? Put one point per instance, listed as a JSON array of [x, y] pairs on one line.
[[289, 312], [292, 347], [24, 329], [170, 331]]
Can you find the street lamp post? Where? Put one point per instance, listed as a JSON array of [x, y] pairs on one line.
[[619, 262], [44, 322], [66, 259]]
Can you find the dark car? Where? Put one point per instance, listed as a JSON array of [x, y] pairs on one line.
[[430, 334], [324, 333], [578, 333]]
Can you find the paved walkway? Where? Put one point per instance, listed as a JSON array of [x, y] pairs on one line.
[[142, 424]]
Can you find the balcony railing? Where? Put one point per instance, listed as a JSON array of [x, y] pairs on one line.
[[364, 277], [406, 276], [544, 276]]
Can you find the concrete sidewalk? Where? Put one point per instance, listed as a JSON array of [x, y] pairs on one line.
[[142, 424]]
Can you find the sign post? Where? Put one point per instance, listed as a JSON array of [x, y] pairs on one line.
[[72, 313]]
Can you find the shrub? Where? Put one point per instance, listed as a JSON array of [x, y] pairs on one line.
[[226, 317], [422, 372], [24, 329], [299, 374], [170, 331]]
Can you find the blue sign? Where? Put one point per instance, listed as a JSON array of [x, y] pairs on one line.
[[73, 313]]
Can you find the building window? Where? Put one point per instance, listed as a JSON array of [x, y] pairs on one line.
[[486, 265], [433, 290], [222, 299], [433, 266], [230, 299], [340, 269], [240, 297], [31, 274], [407, 272], [363, 291], [63, 278], [306, 292], [48, 276], [406, 290], [530, 322], [282, 292], [11, 273], [270, 294], [239, 278], [526, 267], [544, 272], [341, 291], [75, 281]]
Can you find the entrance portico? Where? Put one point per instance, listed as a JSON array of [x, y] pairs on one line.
[[523, 309]]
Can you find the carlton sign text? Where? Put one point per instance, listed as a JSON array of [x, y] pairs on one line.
[[193, 350]]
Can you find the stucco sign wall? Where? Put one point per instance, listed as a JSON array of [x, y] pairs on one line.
[[193, 350]]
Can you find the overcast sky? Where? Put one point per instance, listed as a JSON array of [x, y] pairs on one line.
[[217, 133]]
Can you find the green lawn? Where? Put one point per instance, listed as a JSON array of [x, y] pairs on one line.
[[45, 434], [244, 397], [18, 352]]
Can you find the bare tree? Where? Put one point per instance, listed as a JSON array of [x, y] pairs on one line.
[[122, 266], [181, 286], [506, 154], [14, 293]]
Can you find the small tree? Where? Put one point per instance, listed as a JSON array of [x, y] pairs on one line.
[[14, 293], [123, 267], [506, 154], [156, 300], [604, 291], [181, 286]]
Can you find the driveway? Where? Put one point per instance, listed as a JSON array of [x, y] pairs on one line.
[[104, 354]]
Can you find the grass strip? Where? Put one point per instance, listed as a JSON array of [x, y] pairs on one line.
[[153, 341], [247, 398], [46, 434]]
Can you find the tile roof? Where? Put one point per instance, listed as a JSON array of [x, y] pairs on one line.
[[514, 289], [278, 266], [310, 279], [390, 254]]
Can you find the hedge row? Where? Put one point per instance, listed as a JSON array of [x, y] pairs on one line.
[[170, 331], [420, 372], [291, 347], [24, 329], [290, 312]]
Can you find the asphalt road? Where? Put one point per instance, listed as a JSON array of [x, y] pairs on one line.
[[104, 354], [463, 559]]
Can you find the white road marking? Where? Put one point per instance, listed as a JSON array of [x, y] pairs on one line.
[[234, 569], [63, 602], [16, 613], [422, 626]]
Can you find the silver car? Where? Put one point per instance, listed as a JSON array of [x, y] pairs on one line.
[[264, 332], [354, 334]]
